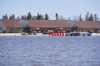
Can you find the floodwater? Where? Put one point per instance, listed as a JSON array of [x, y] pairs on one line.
[[49, 51]]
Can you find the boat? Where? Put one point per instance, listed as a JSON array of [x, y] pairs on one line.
[[78, 34]]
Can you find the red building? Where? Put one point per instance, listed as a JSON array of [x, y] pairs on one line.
[[50, 25]]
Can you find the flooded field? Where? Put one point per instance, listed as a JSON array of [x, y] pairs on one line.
[[49, 51]]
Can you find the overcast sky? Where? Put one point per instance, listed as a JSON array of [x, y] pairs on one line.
[[66, 8]]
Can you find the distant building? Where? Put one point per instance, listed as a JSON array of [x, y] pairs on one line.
[[49, 25], [45, 26], [1, 27], [12, 26], [88, 26]]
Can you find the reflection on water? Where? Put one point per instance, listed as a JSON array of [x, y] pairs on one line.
[[49, 51]]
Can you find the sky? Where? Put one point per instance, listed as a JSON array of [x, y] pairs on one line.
[[65, 8]]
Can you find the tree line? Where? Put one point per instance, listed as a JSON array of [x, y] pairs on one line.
[[29, 16], [89, 17]]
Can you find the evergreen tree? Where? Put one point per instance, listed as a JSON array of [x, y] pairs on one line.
[[12, 17], [27, 29], [80, 18], [39, 17], [5, 17], [91, 18], [87, 16], [57, 17], [95, 17], [46, 16], [29, 16]]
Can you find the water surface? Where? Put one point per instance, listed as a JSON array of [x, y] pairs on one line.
[[49, 51]]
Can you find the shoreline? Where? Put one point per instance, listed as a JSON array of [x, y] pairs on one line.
[[20, 34], [10, 34]]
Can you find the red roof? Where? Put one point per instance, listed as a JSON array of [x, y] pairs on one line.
[[1, 24], [51, 24], [48, 23], [12, 23], [88, 24]]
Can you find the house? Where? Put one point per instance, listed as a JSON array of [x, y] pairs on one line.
[[45, 26], [1, 27], [12, 25], [36, 25], [88, 26], [49, 25]]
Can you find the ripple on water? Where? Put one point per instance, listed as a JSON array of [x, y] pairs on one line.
[[49, 51]]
